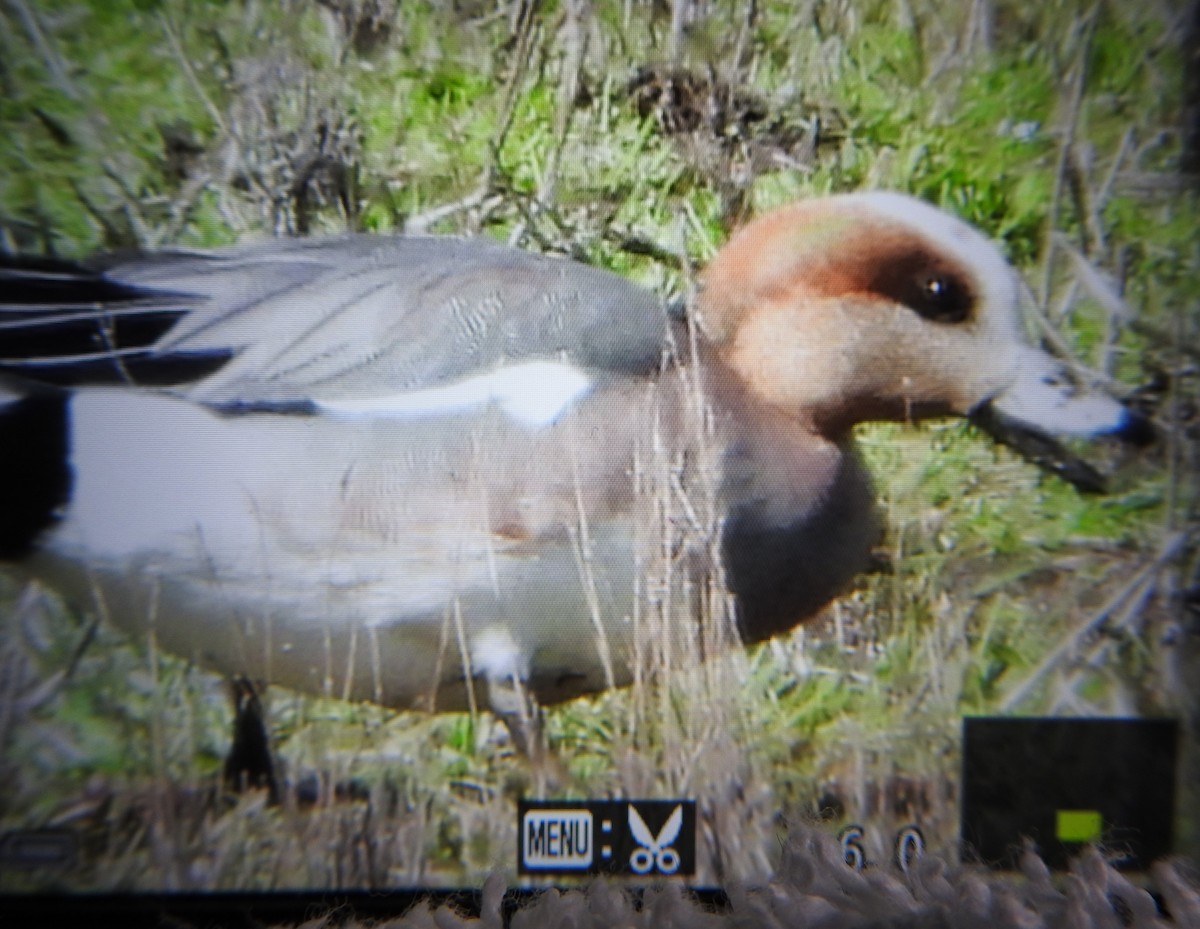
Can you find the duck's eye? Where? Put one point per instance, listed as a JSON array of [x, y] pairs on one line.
[[941, 298], [926, 283]]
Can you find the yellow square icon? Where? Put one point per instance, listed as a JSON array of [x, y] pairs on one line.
[[1078, 825]]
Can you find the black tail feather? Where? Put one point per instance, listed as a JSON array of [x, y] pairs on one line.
[[35, 469], [67, 324]]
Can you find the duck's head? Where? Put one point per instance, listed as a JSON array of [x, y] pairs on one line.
[[876, 306]]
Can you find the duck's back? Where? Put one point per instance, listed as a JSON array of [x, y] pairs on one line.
[[288, 320]]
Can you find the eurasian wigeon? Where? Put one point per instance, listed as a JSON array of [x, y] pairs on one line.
[[384, 468]]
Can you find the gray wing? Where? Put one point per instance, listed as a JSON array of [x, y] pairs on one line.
[[296, 320]]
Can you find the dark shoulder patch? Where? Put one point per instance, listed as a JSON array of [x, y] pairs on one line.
[[35, 468]]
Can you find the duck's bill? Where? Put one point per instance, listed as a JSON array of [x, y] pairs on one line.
[[1043, 405]]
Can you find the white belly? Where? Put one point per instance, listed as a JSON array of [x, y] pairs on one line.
[[391, 566]]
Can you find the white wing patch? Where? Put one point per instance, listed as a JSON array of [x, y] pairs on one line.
[[535, 394]]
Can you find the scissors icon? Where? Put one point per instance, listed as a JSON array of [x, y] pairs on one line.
[[655, 850]]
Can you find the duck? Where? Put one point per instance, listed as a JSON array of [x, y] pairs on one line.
[[401, 469]]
